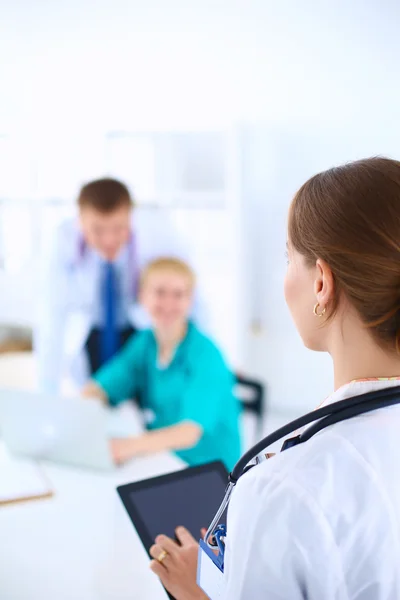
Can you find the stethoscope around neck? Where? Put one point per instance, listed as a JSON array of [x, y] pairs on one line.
[[321, 418]]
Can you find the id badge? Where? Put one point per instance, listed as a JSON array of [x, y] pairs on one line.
[[210, 573]]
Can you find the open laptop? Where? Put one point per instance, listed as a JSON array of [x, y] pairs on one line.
[[73, 431]]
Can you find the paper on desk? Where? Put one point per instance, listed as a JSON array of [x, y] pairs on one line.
[[21, 480]]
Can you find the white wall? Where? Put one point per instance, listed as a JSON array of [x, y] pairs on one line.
[[92, 65], [313, 83]]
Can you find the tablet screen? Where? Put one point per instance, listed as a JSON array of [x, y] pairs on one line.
[[190, 497]]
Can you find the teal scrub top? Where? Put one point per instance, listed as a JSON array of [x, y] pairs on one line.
[[196, 386]]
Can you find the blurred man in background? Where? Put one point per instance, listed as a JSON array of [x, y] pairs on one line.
[[88, 305]]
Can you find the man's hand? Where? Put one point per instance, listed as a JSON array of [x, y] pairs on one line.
[[178, 569]]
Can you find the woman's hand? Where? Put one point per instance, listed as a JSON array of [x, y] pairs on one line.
[[93, 390], [178, 569], [122, 449], [173, 437]]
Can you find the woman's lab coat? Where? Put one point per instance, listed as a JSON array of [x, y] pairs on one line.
[[68, 296], [321, 521]]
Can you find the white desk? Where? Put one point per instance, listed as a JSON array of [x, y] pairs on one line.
[[80, 545]]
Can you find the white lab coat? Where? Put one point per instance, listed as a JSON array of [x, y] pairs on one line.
[[68, 294], [321, 521]]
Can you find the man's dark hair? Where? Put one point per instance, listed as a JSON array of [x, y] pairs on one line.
[[105, 195]]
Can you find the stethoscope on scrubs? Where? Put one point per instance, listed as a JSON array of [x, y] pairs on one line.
[[322, 418]]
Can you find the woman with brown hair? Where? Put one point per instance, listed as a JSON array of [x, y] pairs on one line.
[[321, 521]]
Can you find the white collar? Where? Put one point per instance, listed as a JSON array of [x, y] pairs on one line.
[[360, 386]]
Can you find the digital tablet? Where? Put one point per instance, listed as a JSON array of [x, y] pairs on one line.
[[189, 497]]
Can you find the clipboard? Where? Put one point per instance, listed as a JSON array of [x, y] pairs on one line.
[[22, 481]]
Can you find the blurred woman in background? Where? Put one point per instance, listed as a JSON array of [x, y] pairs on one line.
[[178, 374]]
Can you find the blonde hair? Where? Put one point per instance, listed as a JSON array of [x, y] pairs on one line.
[[173, 265]]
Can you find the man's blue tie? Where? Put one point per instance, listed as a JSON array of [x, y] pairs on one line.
[[109, 337]]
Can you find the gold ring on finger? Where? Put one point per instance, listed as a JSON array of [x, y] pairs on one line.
[[162, 556]]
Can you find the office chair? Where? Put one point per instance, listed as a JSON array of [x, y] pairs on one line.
[[251, 394]]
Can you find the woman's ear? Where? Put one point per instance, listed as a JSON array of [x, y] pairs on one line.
[[324, 284]]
